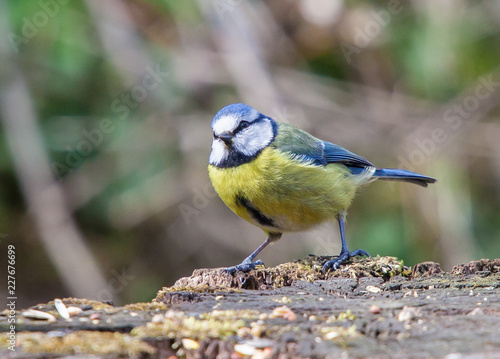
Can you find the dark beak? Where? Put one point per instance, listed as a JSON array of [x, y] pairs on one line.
[[226, 137]]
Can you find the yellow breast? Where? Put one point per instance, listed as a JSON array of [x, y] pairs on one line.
[[280, 194]]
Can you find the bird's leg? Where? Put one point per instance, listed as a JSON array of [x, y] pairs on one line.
[[344, 252], [248, 264]]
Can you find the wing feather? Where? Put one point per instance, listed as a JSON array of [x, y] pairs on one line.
[[308, 148]]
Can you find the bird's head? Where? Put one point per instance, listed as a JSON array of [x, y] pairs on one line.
[[240, 134]]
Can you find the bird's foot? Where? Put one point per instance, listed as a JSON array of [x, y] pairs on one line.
[[343, 257], [245, 266]]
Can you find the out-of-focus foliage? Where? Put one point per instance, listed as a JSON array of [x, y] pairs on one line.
[[123, 93]]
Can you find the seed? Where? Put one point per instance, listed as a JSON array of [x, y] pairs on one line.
[[158, 318], [407, 314], [332, 335], [244, 349], [283, 312], [373, 289], [257, 330], [74, 310], [37, 314], [190, 344], [375, 309], [61, 308], [244, 332]]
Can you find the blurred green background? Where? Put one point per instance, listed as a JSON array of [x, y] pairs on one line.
[[105, 110]]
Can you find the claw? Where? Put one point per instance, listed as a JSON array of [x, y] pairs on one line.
[[245, 266], [343, 257]]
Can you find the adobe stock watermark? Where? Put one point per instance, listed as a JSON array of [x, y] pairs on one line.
[[121, 107], [223, 6], [199, 202], [364, 35], [115, 285], [451, 123], [32, 24]]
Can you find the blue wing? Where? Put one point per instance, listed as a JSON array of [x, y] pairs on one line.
[[326, 152], [334, 153], [308, 148]]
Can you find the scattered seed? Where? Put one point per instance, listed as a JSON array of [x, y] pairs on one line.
[[74, 310], [373, 289], [219, 297], [172, 314], [61, 308], [257, 330], [283, 299], [37, 314], [244, 349], [190, 344], [158, 318], [347, 315], [332, 335], [407, 314], [475, 311], [267, 352], [375, 309], [244, 332], [283, 312]]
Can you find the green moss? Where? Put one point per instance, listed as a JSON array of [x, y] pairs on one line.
[[84, 342], [482, 282], [219, 324], [148, 306]]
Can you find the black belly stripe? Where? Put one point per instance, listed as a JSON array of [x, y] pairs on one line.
[[263, 220]]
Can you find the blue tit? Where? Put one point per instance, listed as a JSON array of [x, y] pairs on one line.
[[283, 179]]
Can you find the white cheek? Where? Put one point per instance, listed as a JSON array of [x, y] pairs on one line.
[[254, 139], [219, 152]]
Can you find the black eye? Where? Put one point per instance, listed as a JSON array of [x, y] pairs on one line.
[[243, 124]]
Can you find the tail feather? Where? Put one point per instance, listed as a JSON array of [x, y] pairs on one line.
[[391, 174]]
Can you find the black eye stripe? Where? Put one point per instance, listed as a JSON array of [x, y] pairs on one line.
[[242, 125]]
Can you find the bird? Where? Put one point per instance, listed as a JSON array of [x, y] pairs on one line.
[[283, 179]]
